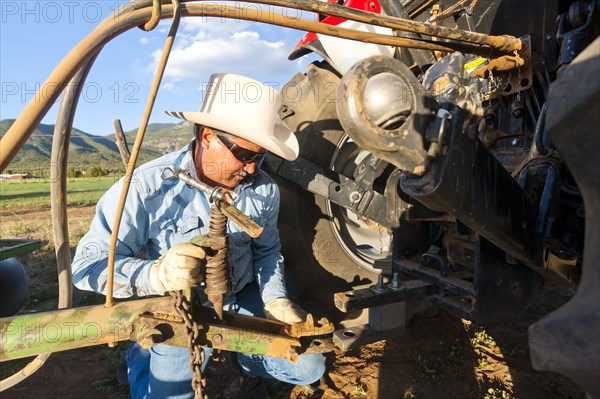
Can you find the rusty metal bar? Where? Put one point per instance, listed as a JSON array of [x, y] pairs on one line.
[[137, 145], [336, 31], [240, 218], [503, 43]]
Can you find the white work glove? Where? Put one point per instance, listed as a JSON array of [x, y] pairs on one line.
[[284, 310], [178, 269]]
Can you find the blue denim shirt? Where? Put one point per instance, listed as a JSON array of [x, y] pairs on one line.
[[161, 213]]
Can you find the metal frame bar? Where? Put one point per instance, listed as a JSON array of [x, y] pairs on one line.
[[9, 248], [151, 321]]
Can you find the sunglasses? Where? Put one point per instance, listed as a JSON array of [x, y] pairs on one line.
[[242, 154]]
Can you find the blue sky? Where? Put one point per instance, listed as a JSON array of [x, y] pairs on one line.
[[36, 35]]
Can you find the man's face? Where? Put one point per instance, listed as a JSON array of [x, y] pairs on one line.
[[217, 154]]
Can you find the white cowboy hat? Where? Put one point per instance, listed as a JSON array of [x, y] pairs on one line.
[[245, 108]]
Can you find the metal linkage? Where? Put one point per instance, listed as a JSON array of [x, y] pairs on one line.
[[394, 292], [453, 291], [356, 195], [153, 321]]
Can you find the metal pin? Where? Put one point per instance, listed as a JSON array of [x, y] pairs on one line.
[[380, 286]]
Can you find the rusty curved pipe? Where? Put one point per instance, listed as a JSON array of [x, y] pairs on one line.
[[153, 22], [58, 199], [134, 14]]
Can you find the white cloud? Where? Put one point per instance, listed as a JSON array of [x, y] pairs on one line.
[[144, 40], [208, 45], [168, 86]]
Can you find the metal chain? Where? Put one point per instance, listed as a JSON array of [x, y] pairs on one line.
[[183, 308]]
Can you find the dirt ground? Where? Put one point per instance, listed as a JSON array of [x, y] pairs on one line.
[[438, 357]]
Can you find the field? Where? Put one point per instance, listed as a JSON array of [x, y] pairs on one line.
[[36, 194], [439, 357]]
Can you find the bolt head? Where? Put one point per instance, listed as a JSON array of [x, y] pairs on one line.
[[293, 355]]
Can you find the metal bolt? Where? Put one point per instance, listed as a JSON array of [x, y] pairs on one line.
[[517, 109], [515, 142], [518, 113], [292, 355], [396, 283], [354, 197], [217, 338], [489, 116], [380, 287]]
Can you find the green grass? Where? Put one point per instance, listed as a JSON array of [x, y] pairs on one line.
[[81, 191]]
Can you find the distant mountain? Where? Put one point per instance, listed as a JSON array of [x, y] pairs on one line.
[[88, 150], [161, 137]]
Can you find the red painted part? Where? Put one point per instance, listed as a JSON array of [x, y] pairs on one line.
[[365, 5], [308, 38]]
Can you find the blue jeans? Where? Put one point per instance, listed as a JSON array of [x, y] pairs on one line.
[[163, 371]]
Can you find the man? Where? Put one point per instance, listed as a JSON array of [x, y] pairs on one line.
[[237, 124]]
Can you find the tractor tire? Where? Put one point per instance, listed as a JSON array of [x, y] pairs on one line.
[[327, 249]]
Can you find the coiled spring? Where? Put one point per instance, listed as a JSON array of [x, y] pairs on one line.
[[217, 278]]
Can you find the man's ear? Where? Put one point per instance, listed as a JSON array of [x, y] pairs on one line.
[[206, 136]]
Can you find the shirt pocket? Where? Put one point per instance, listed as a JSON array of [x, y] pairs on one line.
[[176, 231]]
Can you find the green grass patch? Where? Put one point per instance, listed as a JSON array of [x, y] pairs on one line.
[[81, 191]]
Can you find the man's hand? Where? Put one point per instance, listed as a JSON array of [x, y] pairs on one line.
[[284, 310], [178, 269]]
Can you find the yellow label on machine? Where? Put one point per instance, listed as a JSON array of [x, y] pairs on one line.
[[475, 63]]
